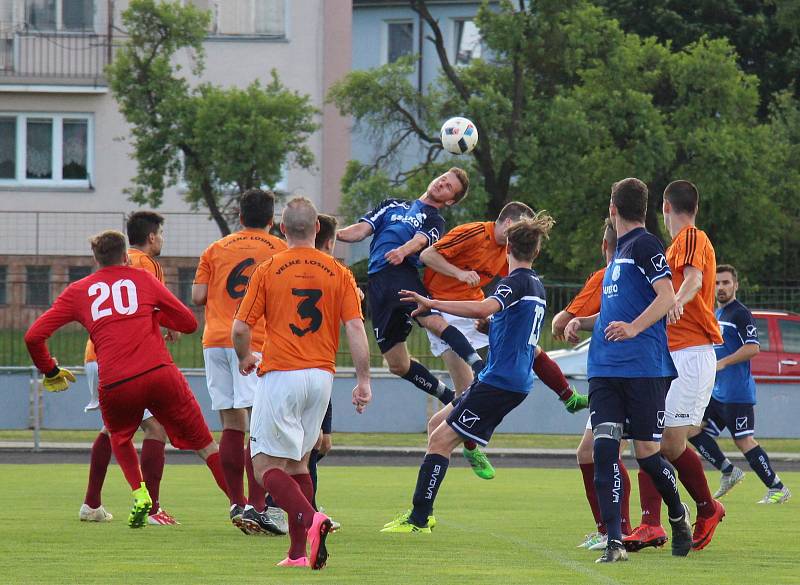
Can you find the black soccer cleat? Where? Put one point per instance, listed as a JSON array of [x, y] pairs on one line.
[[260, 523], [613, 553], [236, 517], [681, 534]]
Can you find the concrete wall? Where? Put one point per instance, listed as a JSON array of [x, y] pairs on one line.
[[397, 407]]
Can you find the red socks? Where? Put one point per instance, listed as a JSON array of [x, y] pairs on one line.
[[587, 471], [291, 494], [693, 477], [231, 451], [98, 465], [470, 445], [153, 468], [256, 494], [214, 463], [548, 372], [128, 461], [650, 500]]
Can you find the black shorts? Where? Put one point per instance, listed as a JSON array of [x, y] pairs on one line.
[[738, 417], [478, 411], [391, 319], [635, 403], [327, 422]]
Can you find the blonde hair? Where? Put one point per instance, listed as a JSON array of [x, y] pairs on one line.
[[300, 218], [463, 178]]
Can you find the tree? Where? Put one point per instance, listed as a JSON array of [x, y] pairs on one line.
[[566, 103], [221, 141]]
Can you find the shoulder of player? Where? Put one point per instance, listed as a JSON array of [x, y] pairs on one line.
[[462, 233]]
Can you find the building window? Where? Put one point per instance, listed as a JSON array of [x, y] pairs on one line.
[[185, 279], [60, 15], [37, 291], [262, 18], [468, 42], [78, 272], [46, 150], [399, 40], [3, 285]]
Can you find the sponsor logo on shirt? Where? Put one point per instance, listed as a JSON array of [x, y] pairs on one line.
[[659, 262], [503, 290], [416, 220], [751, 331]]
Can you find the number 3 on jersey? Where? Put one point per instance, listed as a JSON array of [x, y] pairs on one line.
[[536, 330], [102, 291]]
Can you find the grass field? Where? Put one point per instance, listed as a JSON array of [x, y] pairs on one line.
[[521, 527]]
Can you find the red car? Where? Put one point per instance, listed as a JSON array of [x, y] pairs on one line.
[[779, 358]]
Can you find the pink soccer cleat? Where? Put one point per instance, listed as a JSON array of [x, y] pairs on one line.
[[287, 562], [321, 526]]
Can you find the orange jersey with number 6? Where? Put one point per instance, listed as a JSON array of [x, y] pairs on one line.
[[226, 267], [304, 295]]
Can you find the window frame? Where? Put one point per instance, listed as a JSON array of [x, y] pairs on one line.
[[59, 21], [385, 36], [57, 159], [48, 283], [3, 285], [454, 39]]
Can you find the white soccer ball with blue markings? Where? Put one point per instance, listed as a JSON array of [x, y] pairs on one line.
[[459, 135]]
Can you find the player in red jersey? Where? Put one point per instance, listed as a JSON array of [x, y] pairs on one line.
[[123, 309]]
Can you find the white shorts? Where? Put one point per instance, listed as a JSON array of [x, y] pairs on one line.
[[226, 386], [690, 392], [467, 326], [287, 412], [93, 379]]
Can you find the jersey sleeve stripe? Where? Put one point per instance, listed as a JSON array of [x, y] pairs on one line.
[[469, 234], [691, 244], [258, 292]]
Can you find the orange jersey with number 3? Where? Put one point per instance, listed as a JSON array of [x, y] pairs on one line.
[[587, 302], [698, 325], [226, 267], [303, 295], [136, 259]]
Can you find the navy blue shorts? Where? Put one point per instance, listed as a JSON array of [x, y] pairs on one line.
[[478, 411], [635, 403], [391, 319], [738, 417], [327, 422]]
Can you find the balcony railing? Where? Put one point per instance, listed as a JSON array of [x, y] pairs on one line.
[[40, 57]]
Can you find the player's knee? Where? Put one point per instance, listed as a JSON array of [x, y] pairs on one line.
[[745, 444], [154, 431], [607, 430], [399, 368]]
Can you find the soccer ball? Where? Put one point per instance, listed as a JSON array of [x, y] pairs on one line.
[[459, 135]]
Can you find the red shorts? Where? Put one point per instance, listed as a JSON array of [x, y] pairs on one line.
[[166, 393]]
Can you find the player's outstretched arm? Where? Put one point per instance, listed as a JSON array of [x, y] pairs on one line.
[[664, 301], [470, 309], [574, 326], [173, 314], [418, 242], [48, 323], [745, 353], [435, 261], [359, 349], [560, 323], [354, 233]]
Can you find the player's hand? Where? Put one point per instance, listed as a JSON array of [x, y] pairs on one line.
[[620, 331], [423, 303], [469, 277], [576, 402], [395, 257], [721, 365], [675, 313], [248, 364], [571, 331], [362, 394], [482, 325], [172, 336], [59, 381]]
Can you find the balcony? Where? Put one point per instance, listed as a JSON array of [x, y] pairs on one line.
[[31, 59]]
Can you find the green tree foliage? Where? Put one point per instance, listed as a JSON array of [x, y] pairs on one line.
[[221, 141], [566, 103]]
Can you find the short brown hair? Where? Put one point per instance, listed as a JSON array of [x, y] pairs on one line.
[[514, 210], [299, 218], [327, 229], [610, 233], [463, 178], [257, 207], [629, 196], [728, 268], [525, 236], [141, 224], [109, 247], [683, 196]]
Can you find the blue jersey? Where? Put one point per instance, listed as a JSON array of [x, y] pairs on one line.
[[638, 262], [515, 332], [735, 383], [395, 222]]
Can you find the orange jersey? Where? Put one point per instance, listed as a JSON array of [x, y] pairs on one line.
[[698, 325], [587, 302], [226, 267], [304, 295], [469, 247], [137, 259]]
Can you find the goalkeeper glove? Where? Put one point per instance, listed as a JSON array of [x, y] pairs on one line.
[[576, 402], [58, 380]]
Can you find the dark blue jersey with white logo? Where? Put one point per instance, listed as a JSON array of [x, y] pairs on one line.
[[638, 262], [515, 332], [395, 222], [735, 383]]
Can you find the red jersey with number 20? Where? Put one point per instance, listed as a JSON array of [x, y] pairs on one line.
[[123, 309]]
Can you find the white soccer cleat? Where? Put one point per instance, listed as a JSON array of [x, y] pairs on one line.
[[590, 539], [99, 514], [278, 516], [728, 481], [775, 496]]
